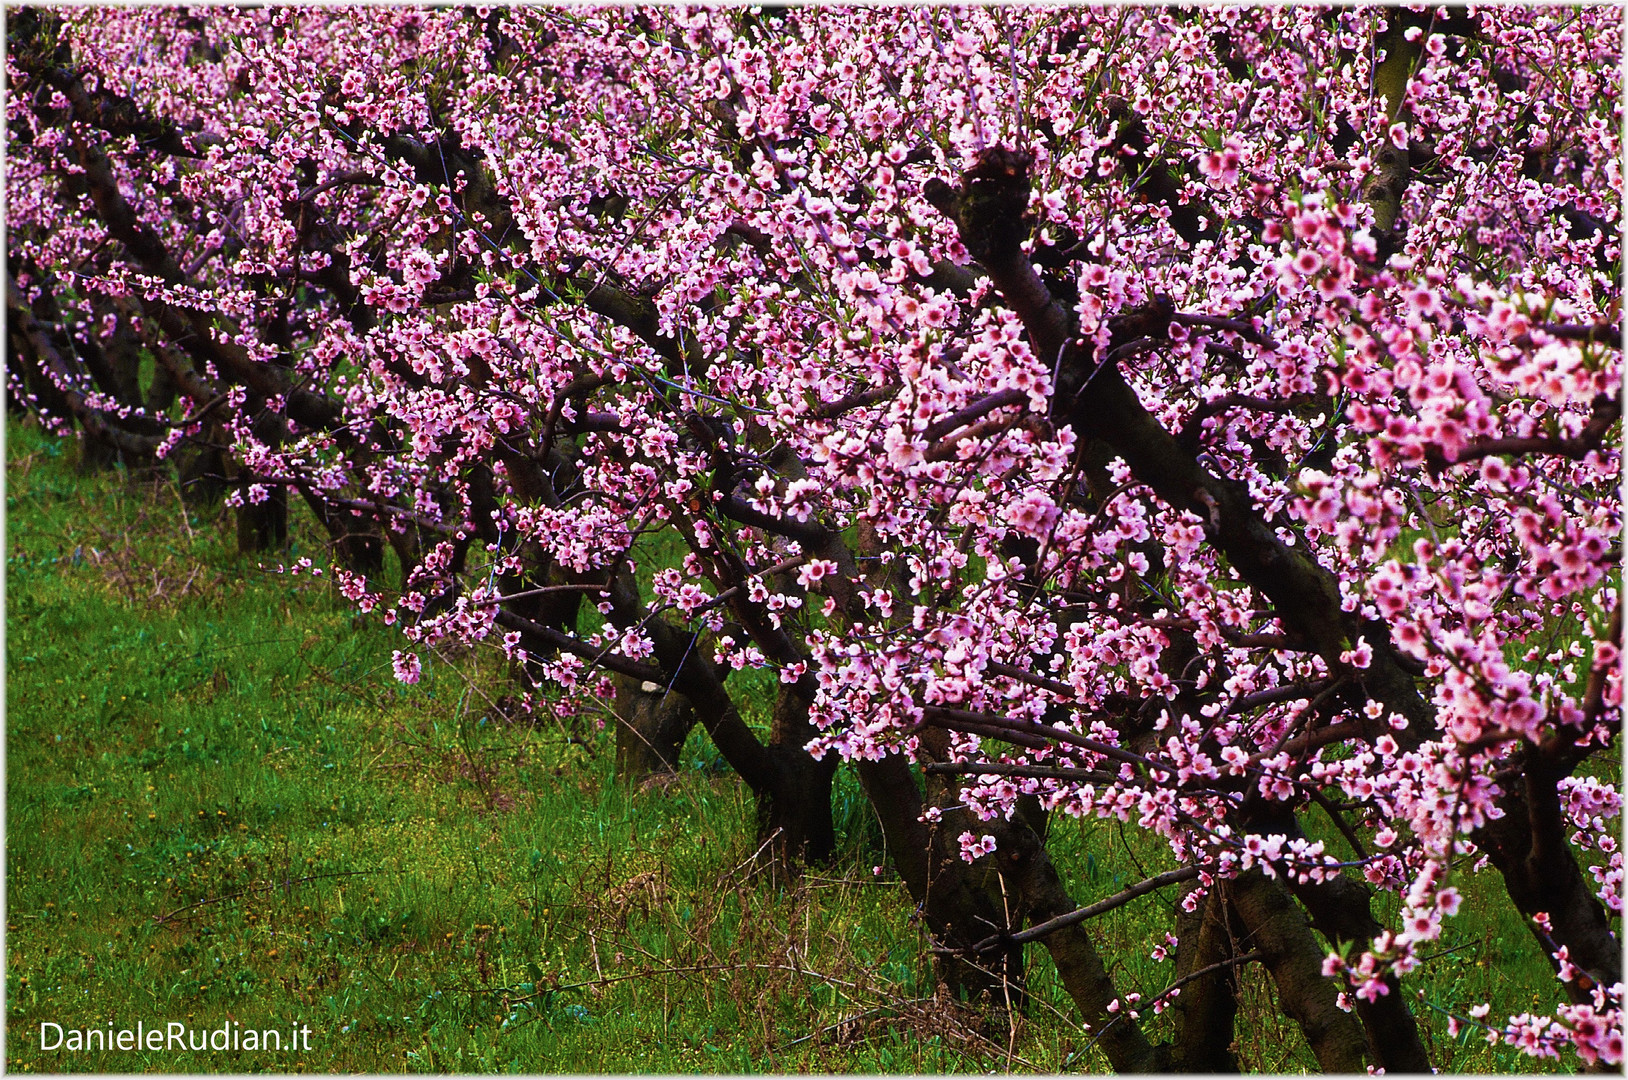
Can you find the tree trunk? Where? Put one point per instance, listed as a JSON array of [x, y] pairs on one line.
[[794, 809], [966, 905], [958, 914], [651, 726], [1529, 847], [1275, 926], [1339, 911], [357, 545], [262, 526], [794, 814], [1036, 886], [1206, 1007]]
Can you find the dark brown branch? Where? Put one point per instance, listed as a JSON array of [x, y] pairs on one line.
[[950, 446], [1090, 911], [560, 641], [1596, 334], [1594, 693], [97, 425], [438, 162], [344, 179], [1293, 692], [956, 911], [1208, 969], [121, 117], [738, 510], [376, 507], [1207, 1010], [1000, 768], [595, 421], [1244, 328], [1607, 410], [990, 212], [189, 328], [1017, 674], [1000, 399], [1340, 823], [949, 277], [1529, 846], [1032, 734], [1193, 428], [1005, 733], [1301, 745], [1231, 635], [637, 314], [858, 400], [1084, 975]]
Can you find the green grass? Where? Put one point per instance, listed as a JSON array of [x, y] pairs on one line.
[[222, 808]]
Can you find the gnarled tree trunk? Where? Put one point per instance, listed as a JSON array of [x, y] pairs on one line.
[[651, 726]]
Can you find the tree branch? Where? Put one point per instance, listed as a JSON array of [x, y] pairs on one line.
[[1091, 911], [1001, 768], [1607, 411]]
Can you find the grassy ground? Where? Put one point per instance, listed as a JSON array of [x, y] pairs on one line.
[[222, 810]]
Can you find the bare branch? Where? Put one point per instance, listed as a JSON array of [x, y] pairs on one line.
[[1118, 899]]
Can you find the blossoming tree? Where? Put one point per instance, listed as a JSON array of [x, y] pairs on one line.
[[1206, 419]]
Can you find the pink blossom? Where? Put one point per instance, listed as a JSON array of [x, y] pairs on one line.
[[406, 665]]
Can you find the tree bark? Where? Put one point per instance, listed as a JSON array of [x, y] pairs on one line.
[[651, 726], [1339, 911], [355, 540], [1528, 845], [958, 915], [1275, 926], [1206, 1007], [795, 810], [262, 526], [1039, 889]]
